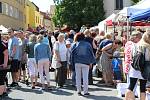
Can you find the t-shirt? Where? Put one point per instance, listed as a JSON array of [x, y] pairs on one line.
[[21, 48], [61, 48], [45, 40], [115, 64], [30, 50], [129, 46], [104, 43], [11, 43], [3, 47]]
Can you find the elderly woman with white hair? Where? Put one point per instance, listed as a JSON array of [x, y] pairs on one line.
[[144, 74], [43, 55], [60, 55]]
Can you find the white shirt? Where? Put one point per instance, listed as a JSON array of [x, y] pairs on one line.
[[62, 50], [132, 72]]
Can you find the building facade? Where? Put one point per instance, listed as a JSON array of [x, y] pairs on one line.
[[114, 6], [47, 21], [12, 13], [52, 13], [32, 15]]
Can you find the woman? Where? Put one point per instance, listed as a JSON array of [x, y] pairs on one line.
[[83, 58], [89, 37], [105, 59], [42, 55], [60, 53], [144, 47], [3, 66], [31, 62]]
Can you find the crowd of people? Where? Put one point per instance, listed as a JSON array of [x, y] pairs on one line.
[[26, 54]]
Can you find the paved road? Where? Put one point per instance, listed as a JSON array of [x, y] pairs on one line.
[[97, 92]]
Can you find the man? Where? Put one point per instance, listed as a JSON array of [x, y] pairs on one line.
[[50, 36], [13, 51], [130, 48], [22, 54]]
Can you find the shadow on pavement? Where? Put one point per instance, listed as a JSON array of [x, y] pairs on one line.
[[61, 92], [93, 97], [98, 89], [8, 98], [105, 86], [37, 91]]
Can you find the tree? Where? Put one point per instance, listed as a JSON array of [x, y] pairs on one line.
[[135, 1], [76, 13]]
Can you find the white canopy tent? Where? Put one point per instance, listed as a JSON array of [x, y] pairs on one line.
[[102, 24], [125, 13], [128, 11], [3, 29]]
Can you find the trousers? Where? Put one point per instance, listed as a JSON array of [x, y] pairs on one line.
[[82, 71]]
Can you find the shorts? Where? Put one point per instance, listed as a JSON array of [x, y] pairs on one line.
[[2, 77], [117, 75], [32, 67], [14, 65], [22, 66]]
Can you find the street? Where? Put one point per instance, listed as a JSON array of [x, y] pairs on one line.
[[97, 92]]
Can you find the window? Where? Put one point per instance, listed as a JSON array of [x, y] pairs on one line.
[[119, 4], [15, 13], [0, 7], [20, 16], [3, 8], [38, 20], [10, 11]]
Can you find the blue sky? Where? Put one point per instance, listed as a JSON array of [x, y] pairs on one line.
[[44, 5]]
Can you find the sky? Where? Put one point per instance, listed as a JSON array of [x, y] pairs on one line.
[[44, 5]]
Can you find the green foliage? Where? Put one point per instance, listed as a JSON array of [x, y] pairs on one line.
[[76, 13], [135, 1]]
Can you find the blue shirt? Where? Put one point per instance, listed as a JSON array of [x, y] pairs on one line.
[[115, 64], [42, 51], [11, 43], [45, 40]]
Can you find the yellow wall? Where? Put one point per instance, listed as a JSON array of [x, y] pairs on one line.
[[41, 19], [37, 18], [31, 14], [27, 16]]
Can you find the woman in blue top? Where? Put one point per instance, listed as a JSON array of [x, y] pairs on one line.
[[42, 55], [83, 58]]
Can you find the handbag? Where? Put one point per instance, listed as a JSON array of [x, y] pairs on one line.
[[55, 62], [139, 60], [51, 69]]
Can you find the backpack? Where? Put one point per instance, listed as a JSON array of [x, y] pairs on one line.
[[138, 61]]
